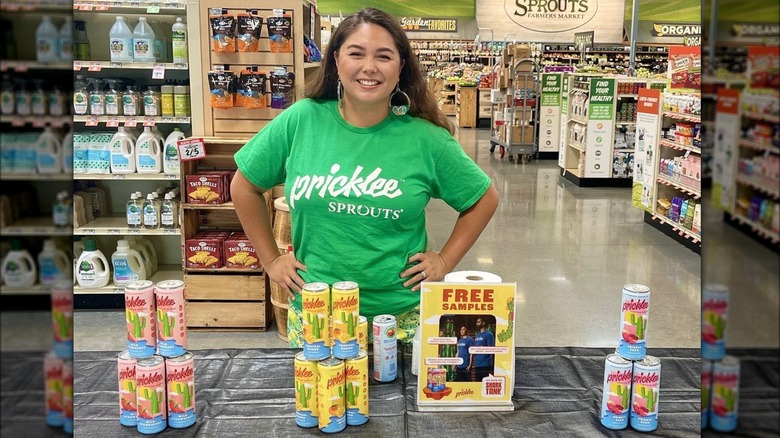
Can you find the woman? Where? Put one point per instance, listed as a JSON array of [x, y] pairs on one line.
[[358, 174]]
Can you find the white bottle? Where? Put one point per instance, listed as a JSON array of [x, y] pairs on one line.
[[148, 152], [67, 152], [66, 40], [122, 152], [147, 251], [128, 264], [179, 42], [78, 249], [92, 268], [61, 210], [143, 42], [46, 41], [134, 212], [151, 213], [171, 163], [169, 212], [53, 262], [18, 268], [49, 152], [120, 41]]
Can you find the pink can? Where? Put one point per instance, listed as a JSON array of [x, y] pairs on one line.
[[171, 318], [52, 371], [150, 395], [62, 318], [140, 317], [181, 390], [128, 407], [67, 396]]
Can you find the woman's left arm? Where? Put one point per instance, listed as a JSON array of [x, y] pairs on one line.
[[433, 266]]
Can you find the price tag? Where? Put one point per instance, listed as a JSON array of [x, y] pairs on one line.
[[170, 176], [180, 66], [153, 9], [169, 232], [17, 121], [76, 65], [114, 231], [87, 231], [191, 149], [158, 72], [116, 65], [135, 5], [173, 5], [92, 121], [95, 66], [102, 7], [40, 230], [21, 66], [85, 7], [118, 176], [38, 122], [149, 121], [131, 122], [112, 122], [118, 290], [133, 231]]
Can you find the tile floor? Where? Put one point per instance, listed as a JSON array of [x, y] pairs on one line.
[[569, 249]]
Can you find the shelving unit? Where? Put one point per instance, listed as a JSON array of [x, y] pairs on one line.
[[34, 226], [466, 103], [515, 132]]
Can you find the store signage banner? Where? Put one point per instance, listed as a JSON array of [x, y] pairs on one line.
[[726, 146], [583, 40], [675, 29], [420, 24], [646, 144], [486, 313], [550, 112], [564, 121], [601, 128], [692, 40], [557, 21]]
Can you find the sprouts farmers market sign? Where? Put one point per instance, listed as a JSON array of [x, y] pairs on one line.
[[558, 20]]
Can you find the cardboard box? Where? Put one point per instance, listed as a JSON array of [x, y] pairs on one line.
[[521, 51], [520, 134], [497, 96]]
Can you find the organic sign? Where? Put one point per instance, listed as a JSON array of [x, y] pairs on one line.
[[584, 38], [675, 29], [420, 24]]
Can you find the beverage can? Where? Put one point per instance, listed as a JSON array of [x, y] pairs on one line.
[[171, 318], [140, 317], [646, 383], [52, 371], [150, 394], [437, 379], [714, 315], [385, 348], [724, 407], [180, 378], [634, 313], [315, 311], [356, 392], [62, 318], [330, 395], [128, 407], [306, 412], [345, 298], [67, 396], [616, 395], [706, 390], [363, 333]]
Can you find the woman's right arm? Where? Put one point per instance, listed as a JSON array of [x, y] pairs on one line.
[[254, 216]]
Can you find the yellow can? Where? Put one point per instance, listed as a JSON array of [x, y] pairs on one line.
[[306, 412], [330, 395], [345, 312], [363, 333], [315, 311], [356, 392]]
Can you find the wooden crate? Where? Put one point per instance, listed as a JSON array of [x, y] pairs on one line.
[[228, 301]]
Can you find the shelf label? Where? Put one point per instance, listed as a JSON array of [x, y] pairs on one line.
[[170, 176], [116, 64], [21, 67], [131, 122], [38, 122], [170, 232], [173, 5], [112, 122], [76, 65], [180, 66], [150, 121], [153, 9], [85, 7], [102, 7], [87, 231], [118, 290], [133, 231], [92, 121], [191, 149], [17, 121], [95, 66], [114, 231], [40, 230], [118, 176], [158, 72]]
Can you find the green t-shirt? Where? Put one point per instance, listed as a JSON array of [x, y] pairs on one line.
[[357, 196]]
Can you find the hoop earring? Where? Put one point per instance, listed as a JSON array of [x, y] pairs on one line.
[[339, 94], [400, 110]]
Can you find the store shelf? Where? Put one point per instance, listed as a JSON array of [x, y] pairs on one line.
[[580, 120], [761, 184], [757, 228], [574, 172], [39, 226], [696, 193], [311, 64], [679, 229], [761, 117], [223, 270], [36, 289], [625, 123], [678, 146], [128, 176], [37, 121], [100, 65], [137, 7], [35, 177], [225, 206], [23, 66], [117, 226], [685, 117], [164, 272], [623, 150], [579, 146], [42, 6], [140, 120], [759, 147]]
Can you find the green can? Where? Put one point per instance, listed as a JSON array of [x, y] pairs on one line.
[[181, 101]]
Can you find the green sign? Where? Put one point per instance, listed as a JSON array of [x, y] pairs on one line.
[[417, 8], [565, 96], [601, 105], [551, 89]]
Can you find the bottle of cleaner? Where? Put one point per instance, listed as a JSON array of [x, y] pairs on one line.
[[160, 47], [169, 216], [131, 102], [151, 213], [81, 48], [97, 98], [49, 152], [56, 102], [8, 98], [18, 267], [66, 40], [113, 98], [134, 212], [67, 152], [78, 249], [122, 152], [120, 41], [46, 41], [53, 263], [39, 99], [99, 199], [148, 152], [80, 96], [93, 270], [143, 42], [61, 210], [179, 42], [23, 98], [128, 265], [148, 255], [171, 163]]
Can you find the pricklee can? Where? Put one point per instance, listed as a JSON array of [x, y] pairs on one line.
[[180, 378], [724, 408], [315, 311], [128, 407], [346, 312], [363, 333], [385, 349], [330, 395], [140, 317], [616, 397], [150, 394], [62, 318], [171, 318], [706, 390], [645, 394], [714, 314], [356, 391], [306, 412], [634, 313], [67, 396], [52, 371], [437, 379]]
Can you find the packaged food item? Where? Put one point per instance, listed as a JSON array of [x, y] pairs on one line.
[[240, 253], [680, 65], [345, 305], [207, 188], [223, 32], [249, 26], [331, 402], [635, 311], [280, 34], [251, 89], [282, 88], [222, 86], [204, 252]]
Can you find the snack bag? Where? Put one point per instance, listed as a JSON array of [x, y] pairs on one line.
[[280, 34], [223, 32], [282, 88], [249, 26], [222, 85], [251, 89]]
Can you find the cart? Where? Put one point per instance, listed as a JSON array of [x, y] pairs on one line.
[[515, 128]]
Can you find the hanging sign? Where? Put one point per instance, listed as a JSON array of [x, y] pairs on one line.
[[424, 24], [692, 40], [646, 144], [191, 149], [675, 30], [583, 40]]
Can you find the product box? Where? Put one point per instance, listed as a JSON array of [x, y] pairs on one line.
[[520, 134], [521, 51], [497, 96], [207, 188], [239, 253], [204, 251], [460, 322]]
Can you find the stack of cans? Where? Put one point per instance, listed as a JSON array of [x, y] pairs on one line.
[[58, 363], [632, 378], [331, 373], [156, 374], [719, 372]]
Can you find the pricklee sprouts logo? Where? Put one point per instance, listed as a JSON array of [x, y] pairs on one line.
[[164, 301], [338, 379], [179, 375], [135, 302], [314, 304], [352, 371], [646, 378], [634, 306], [344, 185], [346, 303], [303, 373], [127, 373], [551, 16], [149, 380], [619, 377]]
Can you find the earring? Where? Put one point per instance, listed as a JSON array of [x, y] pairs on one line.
[[400, 110], [338, 94]]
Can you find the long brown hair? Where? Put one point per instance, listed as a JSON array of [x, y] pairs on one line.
[[412, 81]]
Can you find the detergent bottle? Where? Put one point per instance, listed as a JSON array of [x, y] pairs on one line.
[[171, 163], [122, 152], [93, 270], [148, 152], [49, 152], [128, 264], [18, 267], [53, 263]]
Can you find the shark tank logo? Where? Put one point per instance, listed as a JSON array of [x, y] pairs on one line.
[[551, 16]]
